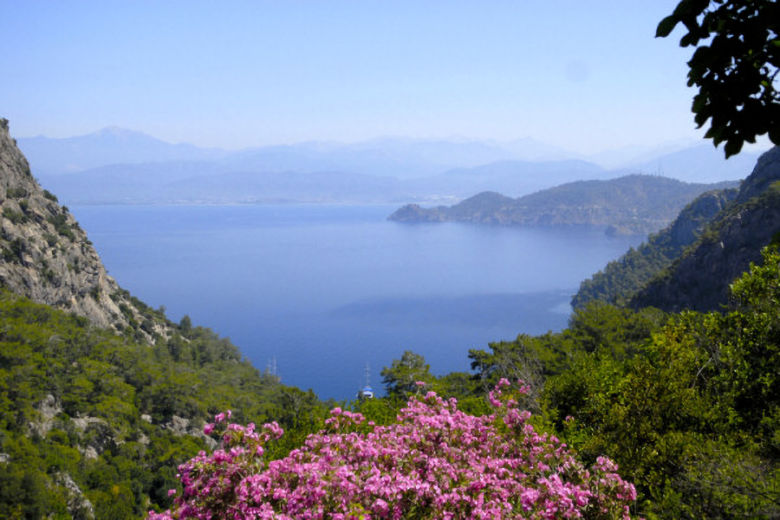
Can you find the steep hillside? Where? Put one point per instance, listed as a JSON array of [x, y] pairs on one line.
[[635, 204], [93, 424], [700, 278], [622, 278], [47, 257]]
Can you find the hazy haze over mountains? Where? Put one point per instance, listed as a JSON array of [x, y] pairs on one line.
[[110, 145], [114, 165]]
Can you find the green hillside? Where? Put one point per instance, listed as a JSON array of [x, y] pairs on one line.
[[94, 425], [687, 404]]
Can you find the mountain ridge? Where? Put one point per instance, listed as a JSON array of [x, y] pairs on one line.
[[425, 170], [620, 279]]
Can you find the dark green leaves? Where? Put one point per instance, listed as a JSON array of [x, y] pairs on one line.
[[737, 69], [666, 26]]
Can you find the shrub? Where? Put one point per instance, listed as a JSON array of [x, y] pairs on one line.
[[433, 462]]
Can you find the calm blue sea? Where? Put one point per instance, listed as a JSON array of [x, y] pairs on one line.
[[324, 290]]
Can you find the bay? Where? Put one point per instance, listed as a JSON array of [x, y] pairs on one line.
[[321, 291]]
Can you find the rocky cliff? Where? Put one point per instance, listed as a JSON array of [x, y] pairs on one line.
[[46, 256], [700, 277]]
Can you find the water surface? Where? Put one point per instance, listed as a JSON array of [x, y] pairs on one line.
[[324, 290]]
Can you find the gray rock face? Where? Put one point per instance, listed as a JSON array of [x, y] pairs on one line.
[[49, 408], [79, 505], [766, 172], [183, 426], [46, 256], [693, 219]]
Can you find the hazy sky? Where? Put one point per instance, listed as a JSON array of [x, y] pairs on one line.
[[586, 75]]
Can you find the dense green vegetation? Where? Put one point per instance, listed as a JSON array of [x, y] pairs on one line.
[[114, 416], [688, 404]]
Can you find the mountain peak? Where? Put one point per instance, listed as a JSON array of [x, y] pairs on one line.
[[121, 133], [766, 172]]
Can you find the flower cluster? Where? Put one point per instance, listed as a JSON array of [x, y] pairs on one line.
[[434, 462]]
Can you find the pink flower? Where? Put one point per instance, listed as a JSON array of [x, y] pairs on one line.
[[434, 462]]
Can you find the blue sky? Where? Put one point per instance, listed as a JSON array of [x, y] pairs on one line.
[[583, 75]]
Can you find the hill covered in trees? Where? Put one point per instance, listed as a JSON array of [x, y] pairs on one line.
[[634, 204], [689, 264], [94, 425]]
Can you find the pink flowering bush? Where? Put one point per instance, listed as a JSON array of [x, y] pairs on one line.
[[434, 462]]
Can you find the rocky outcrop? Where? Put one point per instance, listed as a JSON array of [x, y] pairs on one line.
[[47, 257], [765, 173], [78, 505], [49, 408], [695, 217], [182, 426], [699, 279]]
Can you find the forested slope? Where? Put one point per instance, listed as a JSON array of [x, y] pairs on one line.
[[622, 278], [94, 425]]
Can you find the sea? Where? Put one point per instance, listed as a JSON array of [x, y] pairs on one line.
[[325, 296]]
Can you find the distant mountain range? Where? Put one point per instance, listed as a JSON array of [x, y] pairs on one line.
[[634, 204], [115, 165], [111, 145]]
